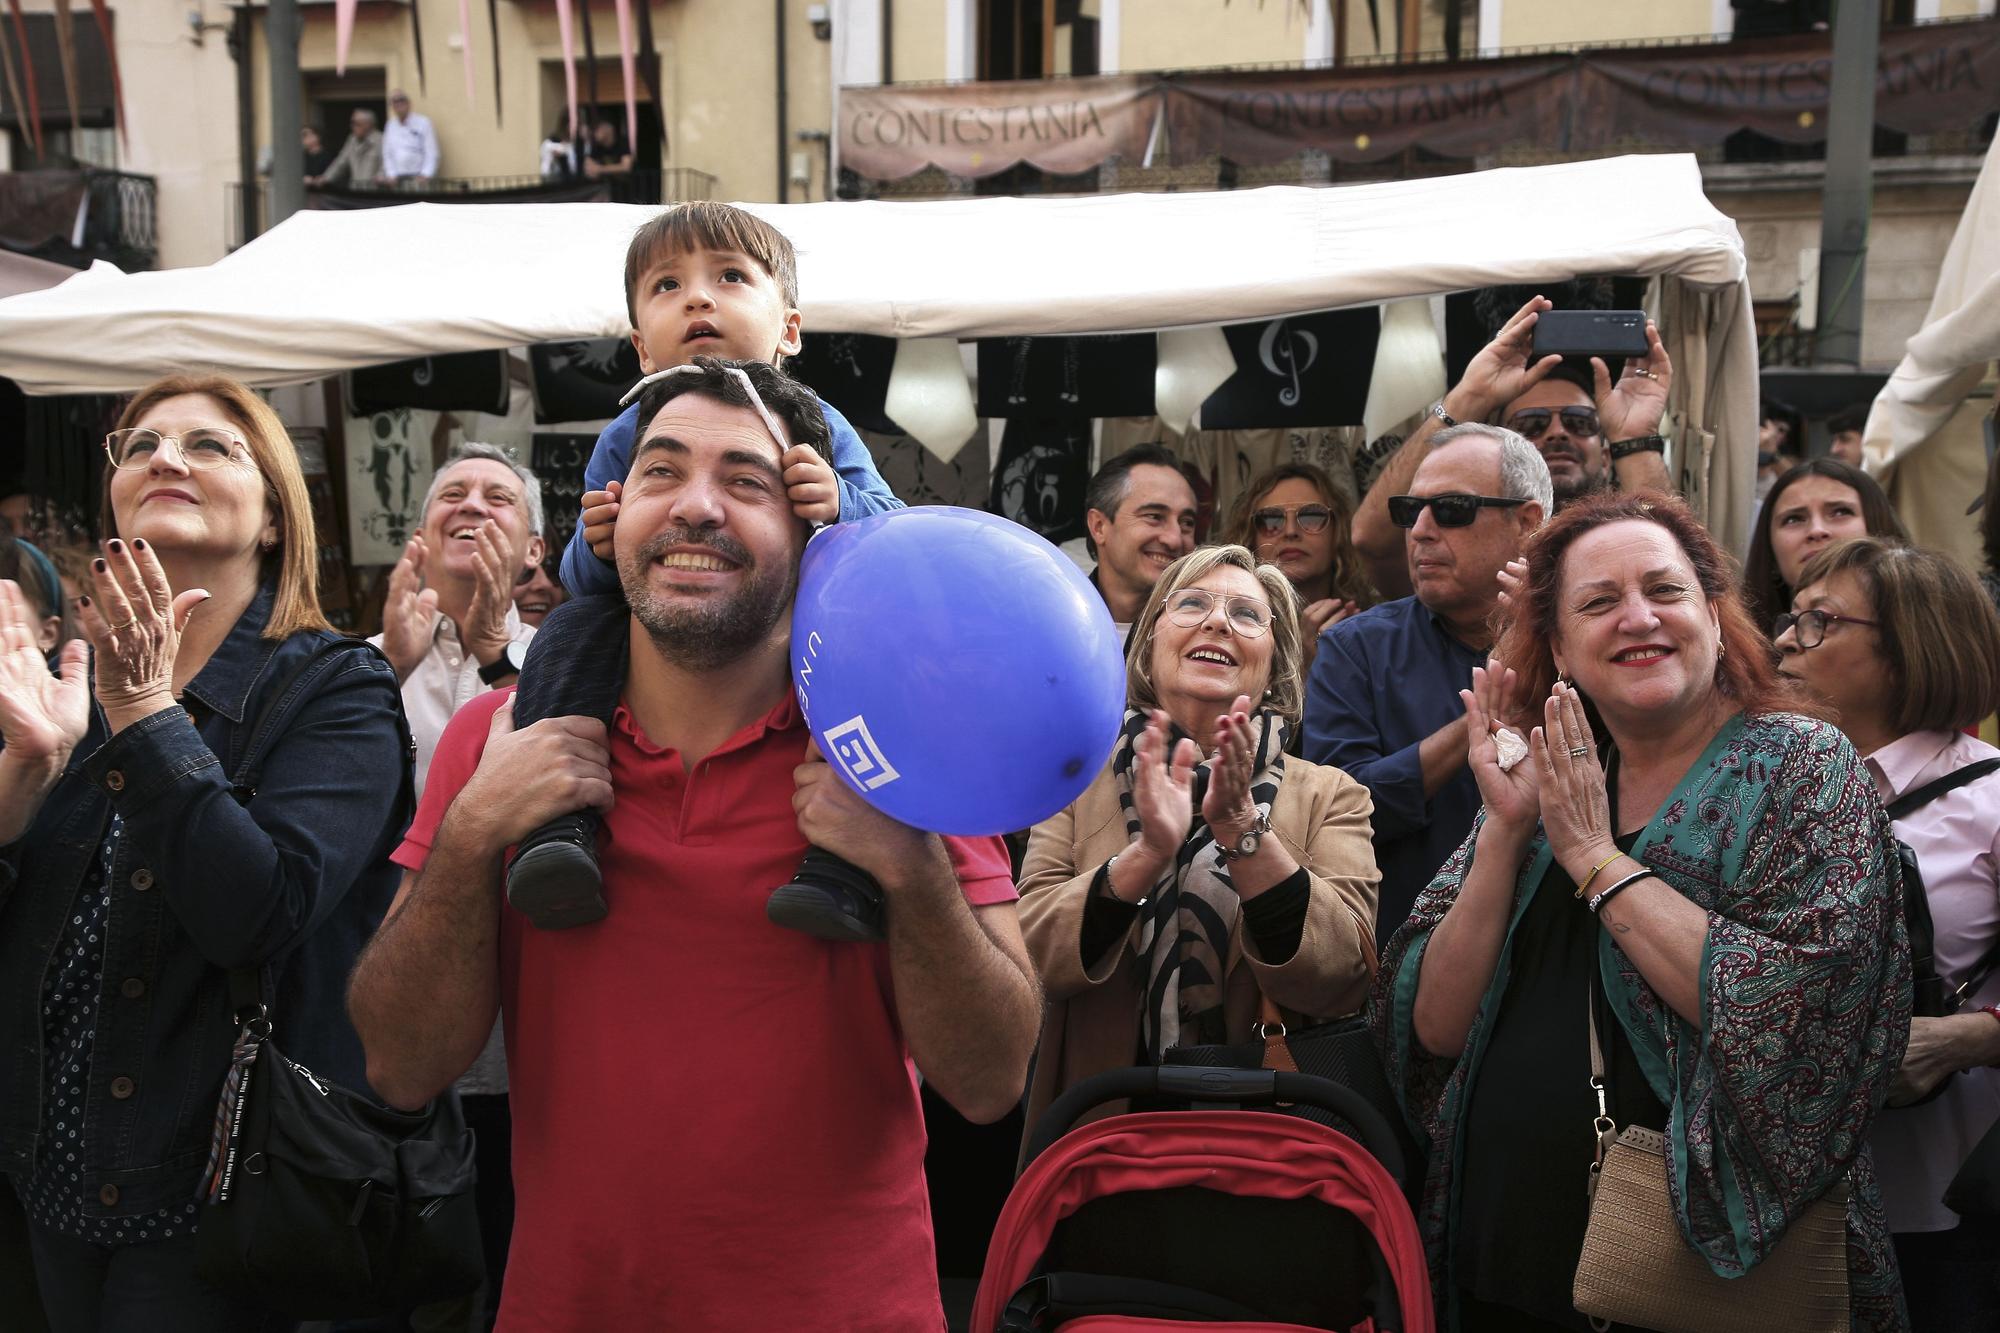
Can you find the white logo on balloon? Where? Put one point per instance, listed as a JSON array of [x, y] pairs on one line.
[[859, 756]]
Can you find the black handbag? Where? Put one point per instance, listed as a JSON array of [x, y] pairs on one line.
[[317, 1202], [321, 1204]]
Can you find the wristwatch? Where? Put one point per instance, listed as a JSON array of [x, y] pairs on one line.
[[1247, 844], [1640, 445], [507, 664]]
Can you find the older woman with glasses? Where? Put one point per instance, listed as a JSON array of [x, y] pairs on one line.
[[1679, 910], [140, 867], [1204, 870], [1905, 647], [1294, 517]]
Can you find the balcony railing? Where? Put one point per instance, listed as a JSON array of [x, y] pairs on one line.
[[636, 187], [82, 214]]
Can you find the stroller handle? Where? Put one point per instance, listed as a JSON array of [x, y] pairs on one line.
[[1201, 1083]]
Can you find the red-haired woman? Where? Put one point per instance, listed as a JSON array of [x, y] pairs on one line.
[[1712, 870]]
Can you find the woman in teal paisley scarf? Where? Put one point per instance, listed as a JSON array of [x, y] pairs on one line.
[[1681, 831]]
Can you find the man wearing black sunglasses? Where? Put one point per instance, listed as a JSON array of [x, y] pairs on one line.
[[1591, 432], [1382, 700]]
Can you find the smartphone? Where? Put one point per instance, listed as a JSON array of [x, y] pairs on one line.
[[1606, 333]]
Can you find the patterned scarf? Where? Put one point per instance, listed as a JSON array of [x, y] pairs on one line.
[[1184, 927]]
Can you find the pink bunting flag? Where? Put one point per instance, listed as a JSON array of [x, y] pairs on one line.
[[568, 31], [628, 63], [103, 12], [343, 32], [465, 52]]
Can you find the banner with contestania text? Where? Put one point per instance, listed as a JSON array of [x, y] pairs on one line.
[[1930, 78]]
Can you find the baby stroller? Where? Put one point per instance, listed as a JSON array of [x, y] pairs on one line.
[[1220, 1218]]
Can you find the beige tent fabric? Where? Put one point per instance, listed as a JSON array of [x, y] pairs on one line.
[[1932, 485], [1948, 357], [1712, 410], [1925, 440]]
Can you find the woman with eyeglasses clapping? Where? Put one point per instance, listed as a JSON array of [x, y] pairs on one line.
[[1205, 870], [1295, 518], [141, 862]]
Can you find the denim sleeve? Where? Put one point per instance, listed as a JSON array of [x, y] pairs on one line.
[[862, 490], [1341, 729], [583, 573], [247, 882]]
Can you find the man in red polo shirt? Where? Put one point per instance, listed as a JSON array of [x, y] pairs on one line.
[[716, 1121]]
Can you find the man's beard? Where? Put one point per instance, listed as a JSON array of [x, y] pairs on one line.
[[1568, 488], [720, 629]]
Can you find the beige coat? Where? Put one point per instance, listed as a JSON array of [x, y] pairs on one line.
[[1092, 1020]]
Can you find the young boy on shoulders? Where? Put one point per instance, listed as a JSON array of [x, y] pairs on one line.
[[701, 279]]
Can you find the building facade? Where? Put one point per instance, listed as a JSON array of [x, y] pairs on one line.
[[743, 102]]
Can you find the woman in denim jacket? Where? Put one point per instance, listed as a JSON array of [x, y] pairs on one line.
[[134, 876]]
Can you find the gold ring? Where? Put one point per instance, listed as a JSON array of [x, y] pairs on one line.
[[125, 625], [1641, 370]]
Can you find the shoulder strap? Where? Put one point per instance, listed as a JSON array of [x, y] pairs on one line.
[[1976, 978], [1930, 791]]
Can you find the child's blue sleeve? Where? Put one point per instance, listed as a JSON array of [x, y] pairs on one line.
[[862, 490], [583, 573]]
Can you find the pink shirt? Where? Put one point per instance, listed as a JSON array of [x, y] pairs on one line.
[[1957, 841]]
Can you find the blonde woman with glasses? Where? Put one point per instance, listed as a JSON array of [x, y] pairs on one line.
[[1204, 869], [136, 874]]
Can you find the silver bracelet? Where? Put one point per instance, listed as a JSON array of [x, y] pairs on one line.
[[1111, 890], [1597, 901]]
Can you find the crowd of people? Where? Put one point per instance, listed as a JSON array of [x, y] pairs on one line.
[[1510, 732]]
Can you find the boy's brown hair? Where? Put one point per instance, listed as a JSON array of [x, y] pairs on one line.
[[703, 224]]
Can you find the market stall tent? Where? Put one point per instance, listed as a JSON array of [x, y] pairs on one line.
[[327, 292], [1920, 441]]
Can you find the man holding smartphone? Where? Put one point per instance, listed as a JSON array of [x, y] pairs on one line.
[[1592, 433]]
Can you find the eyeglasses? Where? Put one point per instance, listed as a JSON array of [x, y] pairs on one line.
[[1450, 511], [1532, 421], [1811, 625], [200, 449], [1192, 606], [1310, 518]]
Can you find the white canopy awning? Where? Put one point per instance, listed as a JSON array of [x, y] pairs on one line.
[[1946, 359], [331, 291]]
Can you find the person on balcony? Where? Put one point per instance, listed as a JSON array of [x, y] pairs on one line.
[[409, 145], [359, 161]]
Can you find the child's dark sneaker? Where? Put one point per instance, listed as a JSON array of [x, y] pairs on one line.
[[554, 880], [829, 899]]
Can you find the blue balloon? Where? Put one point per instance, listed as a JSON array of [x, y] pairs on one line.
[[957, 670]]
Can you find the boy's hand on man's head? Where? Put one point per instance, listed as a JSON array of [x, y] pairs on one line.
[[810, 485], [600, 513]]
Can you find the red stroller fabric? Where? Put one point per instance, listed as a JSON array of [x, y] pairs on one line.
[[1250, 1153]]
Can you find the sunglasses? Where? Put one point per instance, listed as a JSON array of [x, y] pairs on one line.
[[1449, 511], [1310, 518], [1530, 422]]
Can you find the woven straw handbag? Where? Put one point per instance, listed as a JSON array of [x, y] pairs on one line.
[[1636, 1269]]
